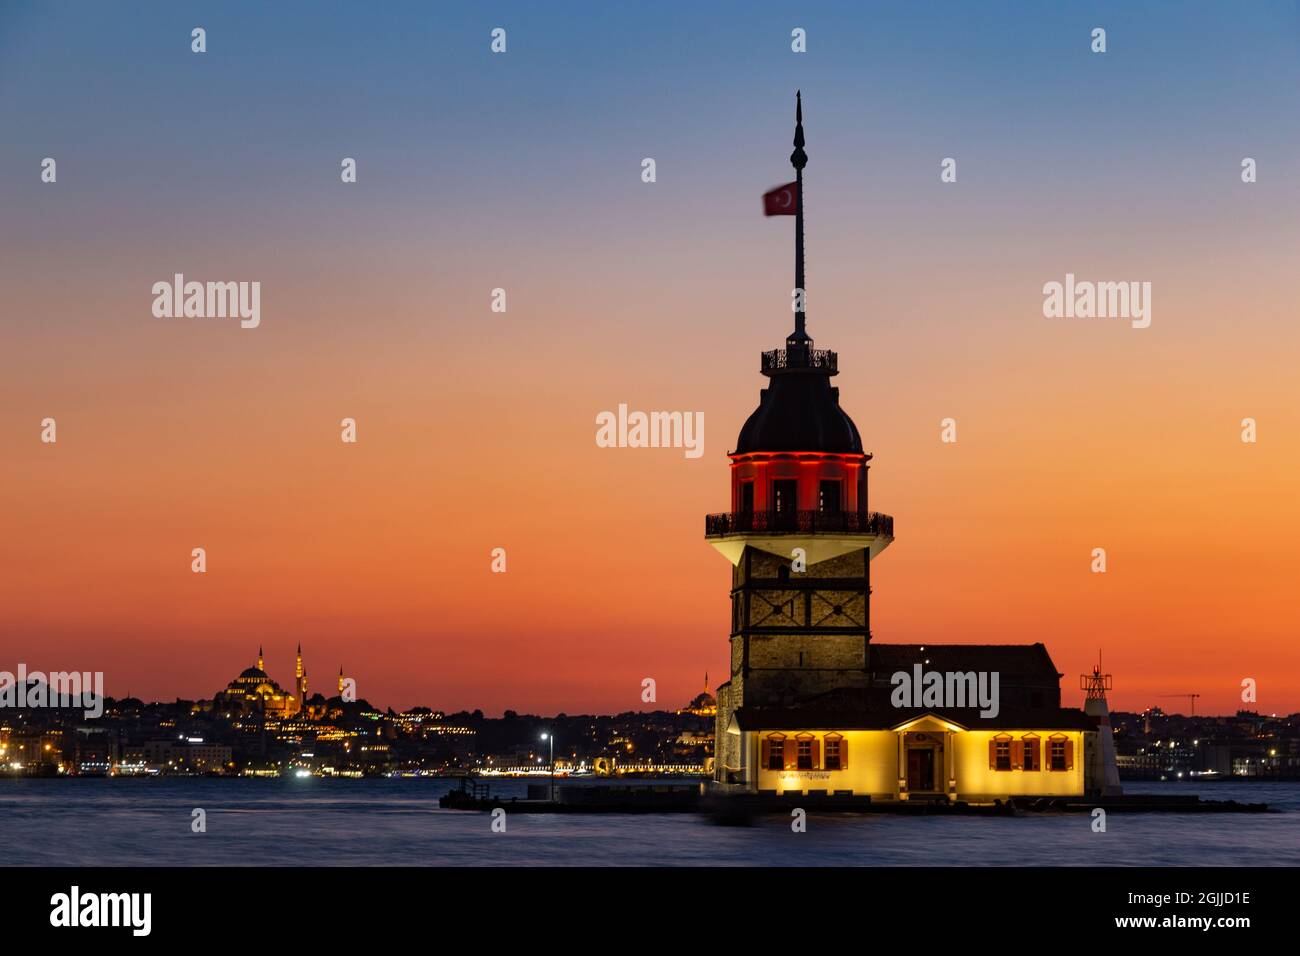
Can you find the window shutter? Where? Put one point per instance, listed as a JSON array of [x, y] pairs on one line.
[[844, 753], [1017, 755], [993, 755], [791, 754], [765, 760], [816, 754], [1069, 755], [1031, 747]]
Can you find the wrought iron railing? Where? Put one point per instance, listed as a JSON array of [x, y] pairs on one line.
[[799, 358], [798, 522]]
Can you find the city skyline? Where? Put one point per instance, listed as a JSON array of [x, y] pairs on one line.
[[476, 430]]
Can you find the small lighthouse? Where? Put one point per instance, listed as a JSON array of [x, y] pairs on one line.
[[1104, 777]]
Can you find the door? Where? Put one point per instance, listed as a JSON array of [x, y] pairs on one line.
[[784, 505], [920, 769], [828, 498]]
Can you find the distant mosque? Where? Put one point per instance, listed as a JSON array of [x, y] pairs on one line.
[[704, 704], [254, 692]]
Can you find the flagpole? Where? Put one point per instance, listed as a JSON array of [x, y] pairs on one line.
[[799, 159]]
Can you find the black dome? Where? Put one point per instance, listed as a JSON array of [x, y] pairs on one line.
[[799, 411], [253, 672]]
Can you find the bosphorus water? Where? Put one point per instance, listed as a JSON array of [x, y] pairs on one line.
[[339, 822]]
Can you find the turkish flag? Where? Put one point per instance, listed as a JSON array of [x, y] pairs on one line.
[[781, 201]]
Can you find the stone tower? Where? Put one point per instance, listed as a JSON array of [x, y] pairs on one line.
[[799, 535]]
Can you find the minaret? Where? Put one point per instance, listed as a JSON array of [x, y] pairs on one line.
[[340, 680], [261, 664], [300, 677], [799, 537]]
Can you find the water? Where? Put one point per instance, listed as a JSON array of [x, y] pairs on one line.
[[306, 822]]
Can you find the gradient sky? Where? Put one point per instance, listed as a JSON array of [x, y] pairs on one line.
[[477, 429]]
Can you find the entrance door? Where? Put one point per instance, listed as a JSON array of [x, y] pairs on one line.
[[785, 514], [920, 769]]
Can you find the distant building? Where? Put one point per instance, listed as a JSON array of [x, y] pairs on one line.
[[704, 704], [254, 692], [195, 756]]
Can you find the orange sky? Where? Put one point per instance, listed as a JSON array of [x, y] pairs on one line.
[[376, 556], [477, 429]]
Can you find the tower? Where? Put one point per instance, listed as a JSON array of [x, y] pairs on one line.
[[300, 677], [1103, 776], [340, 680], [261, 663], [799, 537]]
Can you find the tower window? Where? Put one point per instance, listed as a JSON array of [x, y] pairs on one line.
[[783, 496], [747, 496], [828, 497]]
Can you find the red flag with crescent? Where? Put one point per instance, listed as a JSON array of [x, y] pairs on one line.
[[781, 201]]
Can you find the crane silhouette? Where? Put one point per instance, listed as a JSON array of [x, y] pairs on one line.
[[1191, 697]]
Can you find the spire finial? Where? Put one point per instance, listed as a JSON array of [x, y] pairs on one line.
[[798, 159]]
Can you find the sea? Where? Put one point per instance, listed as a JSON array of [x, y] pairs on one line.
[[311, 821]]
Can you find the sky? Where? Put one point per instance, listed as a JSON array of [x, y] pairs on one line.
[[476, 429]]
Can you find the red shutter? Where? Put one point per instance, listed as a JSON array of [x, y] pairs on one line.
[[844, 753], [765, 760], [993, 755], [1031, 747], [1069, 755], [1017, 755], [816, 754], [791, 754]]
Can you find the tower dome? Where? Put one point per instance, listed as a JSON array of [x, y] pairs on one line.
[[799, 411]]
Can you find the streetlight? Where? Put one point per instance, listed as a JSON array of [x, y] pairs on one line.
[[550, 737]]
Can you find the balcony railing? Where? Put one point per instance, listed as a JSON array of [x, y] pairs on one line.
[[778, 359], [798, 522]]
